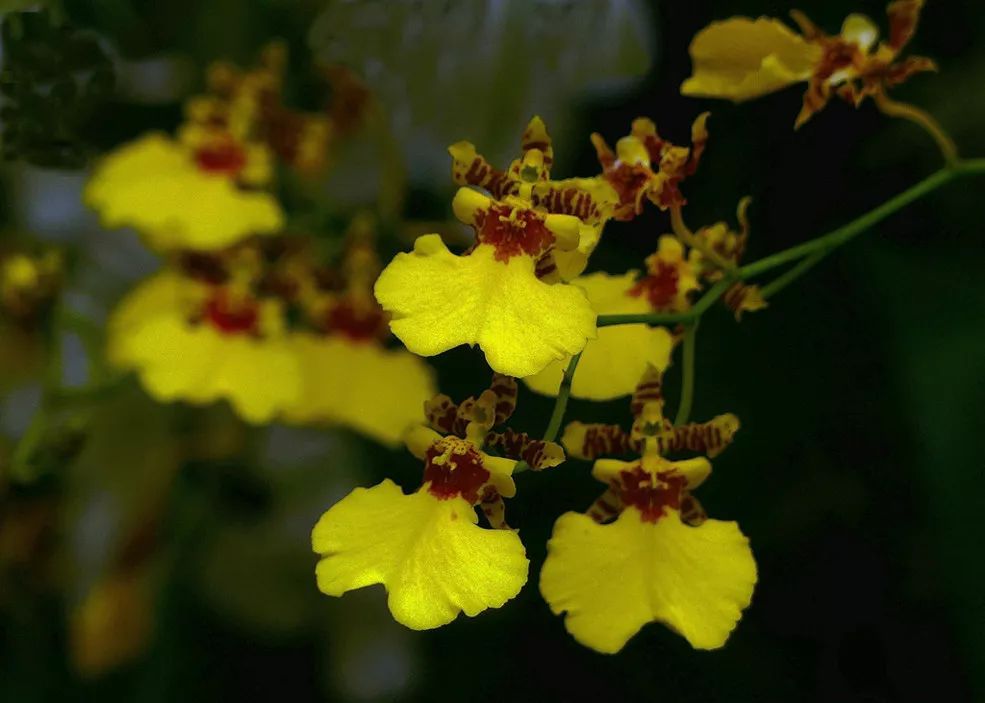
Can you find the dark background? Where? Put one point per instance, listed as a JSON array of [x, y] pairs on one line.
[[857, 473]]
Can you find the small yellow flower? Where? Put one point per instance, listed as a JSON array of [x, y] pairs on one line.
[[611, 365], [199, 343], [178, 198], [646, 551], [28, 283], [426, 548], [503, 293], [740, 58], [669, 279], [348, 376], [730, 246], [644, 165]]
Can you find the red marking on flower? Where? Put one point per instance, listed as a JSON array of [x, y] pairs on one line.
[[232, 317], [454, 468], [648, 494], [660, 287], [225, 157], [513, 232], [630, 181], [357, 322]]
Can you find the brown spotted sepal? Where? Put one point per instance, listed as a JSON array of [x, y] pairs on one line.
[[475, 418], [646, 166], [528, 178], [653, 437]]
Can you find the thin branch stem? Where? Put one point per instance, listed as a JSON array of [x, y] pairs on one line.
[[785, 279], [920, 117], [687, 375], [557, 417]]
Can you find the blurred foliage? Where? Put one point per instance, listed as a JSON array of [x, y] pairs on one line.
[[53, 79]]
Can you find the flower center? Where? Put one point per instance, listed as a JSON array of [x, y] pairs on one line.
[[224, 157], [650, 494], [514, 231], [232, 316], [660, 286], [453, 467], [357, 322]]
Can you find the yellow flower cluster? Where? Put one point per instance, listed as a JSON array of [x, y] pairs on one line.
[[518, 293], [661, 559], [262, 326]]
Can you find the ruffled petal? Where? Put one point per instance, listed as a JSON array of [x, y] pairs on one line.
[[194, 363], [611, 365], [613, 579], [741, 58], [376, 391], [153, 185], [429, 554], [439, 301]]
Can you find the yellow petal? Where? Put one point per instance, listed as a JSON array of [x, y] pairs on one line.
[[613, 579], [860, 30], [612, 364], [439, 301], [740, 58], [376, 391], [153, 185], [571, 263], [175, 360], [429, 554]]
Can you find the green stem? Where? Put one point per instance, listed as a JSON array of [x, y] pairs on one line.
[[561, 404], [847, 232], [687, 376], [802, 267], [815, 249]]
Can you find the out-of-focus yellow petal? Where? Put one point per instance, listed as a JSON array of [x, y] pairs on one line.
[[741, 58], [613, 579], [429, 554], [439, 301], [611, 365], [176, 360], [570, 263], [860, 30], [376, 391], [153, 185]]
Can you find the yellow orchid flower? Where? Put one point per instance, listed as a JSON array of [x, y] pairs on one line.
[[729, 246], [207, 188], [199, 343], [611, 365], [348, 376], [644, 165], [502, 294], [741, 58], [178, 197], [646, 551], [426, 548]]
